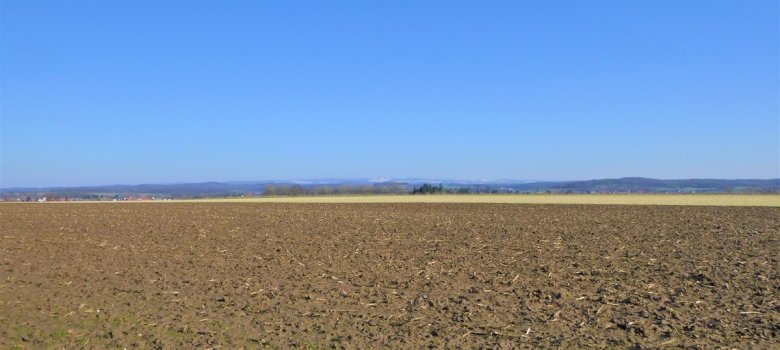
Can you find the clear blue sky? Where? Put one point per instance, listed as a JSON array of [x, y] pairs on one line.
[[97, 92]]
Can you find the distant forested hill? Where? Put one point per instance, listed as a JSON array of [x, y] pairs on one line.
[[640, 185]]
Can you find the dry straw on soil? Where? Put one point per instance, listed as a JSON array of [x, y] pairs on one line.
[[446, 276]]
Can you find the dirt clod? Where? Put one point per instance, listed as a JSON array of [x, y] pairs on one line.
[[222, 275]]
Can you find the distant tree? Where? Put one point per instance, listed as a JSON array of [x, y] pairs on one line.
[[296, 190], [427, 188]]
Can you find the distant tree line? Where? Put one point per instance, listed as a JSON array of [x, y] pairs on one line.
[[427, 188], [333, 190]]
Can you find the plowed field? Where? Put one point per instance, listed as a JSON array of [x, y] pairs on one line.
[[226, 275]]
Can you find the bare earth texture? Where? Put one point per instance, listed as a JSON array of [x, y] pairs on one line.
[[258, 275]]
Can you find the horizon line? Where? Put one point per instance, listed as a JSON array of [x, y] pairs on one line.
[[384, 180]]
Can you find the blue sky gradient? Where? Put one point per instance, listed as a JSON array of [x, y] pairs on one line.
[[97, 92]]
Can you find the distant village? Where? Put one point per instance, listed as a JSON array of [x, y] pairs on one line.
[[54, 198]]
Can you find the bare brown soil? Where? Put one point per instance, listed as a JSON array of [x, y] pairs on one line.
[[313, 276]]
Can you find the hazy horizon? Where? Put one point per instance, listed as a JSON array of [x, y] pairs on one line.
[[186, 92], [330, 181]]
